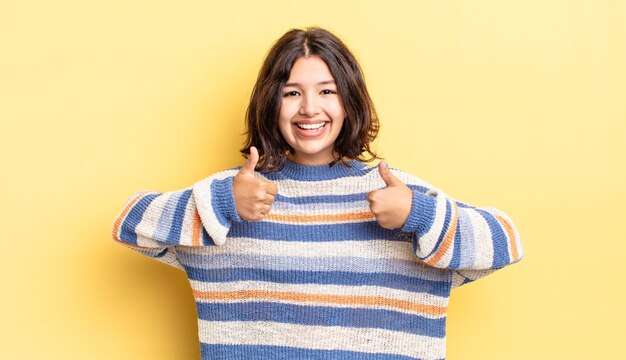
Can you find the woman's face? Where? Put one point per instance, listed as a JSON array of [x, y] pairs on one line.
[[311, 114]]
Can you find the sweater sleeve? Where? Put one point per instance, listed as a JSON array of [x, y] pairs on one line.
[[154, 223], [472, 241]]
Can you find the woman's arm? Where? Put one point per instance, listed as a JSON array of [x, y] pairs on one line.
[[153, 223], [473, 241]]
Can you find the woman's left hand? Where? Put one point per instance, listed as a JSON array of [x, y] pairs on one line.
[[391, 206]]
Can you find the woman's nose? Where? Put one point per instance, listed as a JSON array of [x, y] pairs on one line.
[[309, 106]]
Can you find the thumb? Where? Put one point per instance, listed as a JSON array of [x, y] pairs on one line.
[[383, 170], [248, 167]]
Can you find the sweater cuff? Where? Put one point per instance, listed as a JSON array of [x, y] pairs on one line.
[[422, 213], [223, 199]]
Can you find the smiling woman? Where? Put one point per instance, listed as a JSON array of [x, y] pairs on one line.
[[304, 252], [311, 114]]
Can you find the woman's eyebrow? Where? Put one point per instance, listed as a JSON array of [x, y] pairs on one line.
[[325, 82]]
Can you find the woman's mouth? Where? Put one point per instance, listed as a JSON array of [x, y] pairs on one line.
[[310, 129]]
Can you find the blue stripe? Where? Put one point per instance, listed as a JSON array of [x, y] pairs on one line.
[[467, 250], [350, 264], [456, 251], [206, 239], [221, 199], [260, 352], [323, 316], [133, 218], [302, 173], [500, 243], [179, 215], [446, 225], [392, 281], [268, 230], [164, 224], [419, 188]]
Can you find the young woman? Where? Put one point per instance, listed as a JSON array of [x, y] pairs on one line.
[[304, 252]]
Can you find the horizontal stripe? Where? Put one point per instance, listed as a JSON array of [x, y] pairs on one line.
[[364, 290], [322, 316], [368, 340], [370, 178], [283, 208], [362, 231], [359, 195], [229, 352], [319, 263], [373, 249], [439, 288], [320, 218], [321, 199], [323, 299]]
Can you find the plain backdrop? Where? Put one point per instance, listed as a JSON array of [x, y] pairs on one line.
[[510, 104]]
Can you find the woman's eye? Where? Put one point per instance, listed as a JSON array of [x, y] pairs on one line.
[[328, 91], [290, 93]]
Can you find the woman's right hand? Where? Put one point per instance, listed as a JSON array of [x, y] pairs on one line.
[[253, 196]]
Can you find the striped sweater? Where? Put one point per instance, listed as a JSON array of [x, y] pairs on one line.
[[318, 278]]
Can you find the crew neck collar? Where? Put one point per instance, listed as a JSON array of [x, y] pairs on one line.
[[303, 172]]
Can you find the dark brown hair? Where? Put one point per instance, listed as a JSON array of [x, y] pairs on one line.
[[359, 128]]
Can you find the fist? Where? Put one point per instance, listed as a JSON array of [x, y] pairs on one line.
[[253, 196], [391, 206]]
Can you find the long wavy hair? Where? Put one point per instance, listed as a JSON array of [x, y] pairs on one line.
[[360, 126]]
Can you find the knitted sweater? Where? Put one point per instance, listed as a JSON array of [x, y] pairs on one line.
[[319, 278]]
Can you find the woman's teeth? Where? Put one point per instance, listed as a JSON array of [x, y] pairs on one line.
[[311, 126]]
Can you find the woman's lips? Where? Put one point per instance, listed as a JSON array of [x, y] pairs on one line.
[[310, 133]]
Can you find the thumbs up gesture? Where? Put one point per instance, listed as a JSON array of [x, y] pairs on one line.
[[391, 206], [253, 196]]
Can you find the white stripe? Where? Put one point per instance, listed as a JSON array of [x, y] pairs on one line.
[[483, 244], [339, 186], [422, 298], [367, 340], [281, 207], [429, 240], [372, 249], [186, 232], [345, 185], [150, 219], [202, 198]]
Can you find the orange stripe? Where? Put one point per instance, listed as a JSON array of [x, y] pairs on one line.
[[511, 234], [195, 235], [120, 219], [448, 239], [321, 298], [320, 218]]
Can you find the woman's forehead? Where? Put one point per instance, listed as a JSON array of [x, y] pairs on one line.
[[311, 70]]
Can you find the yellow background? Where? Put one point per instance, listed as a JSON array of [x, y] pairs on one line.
[[518, 105]]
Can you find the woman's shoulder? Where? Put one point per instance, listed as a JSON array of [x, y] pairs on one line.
[[410, 179]]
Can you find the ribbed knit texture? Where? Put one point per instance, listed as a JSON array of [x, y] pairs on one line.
[[318, 278]]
